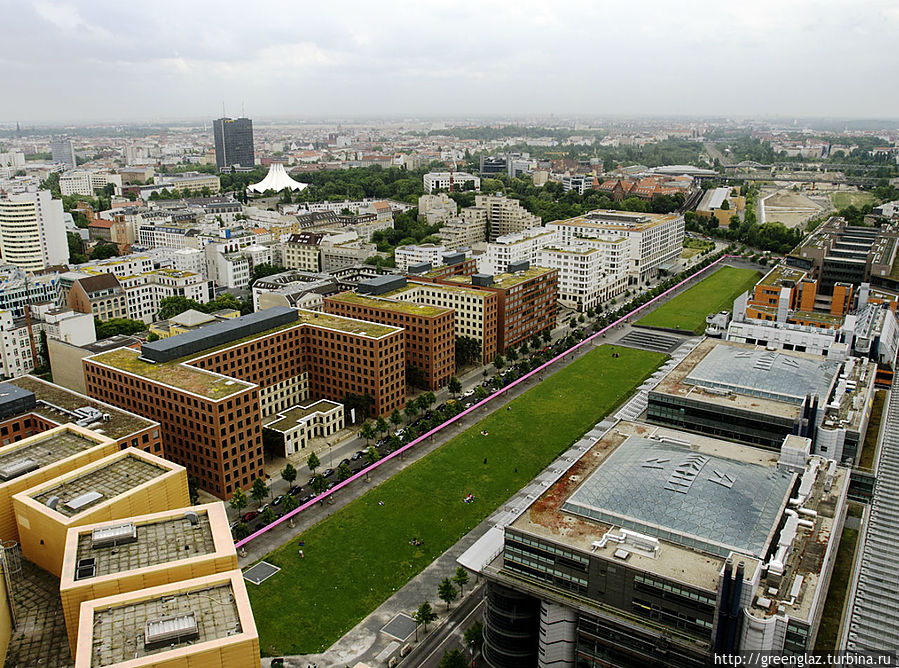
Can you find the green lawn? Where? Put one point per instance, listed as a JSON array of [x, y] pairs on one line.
[[836, 594], [689, 309], [869, 446], [358, 557], [843, 199]]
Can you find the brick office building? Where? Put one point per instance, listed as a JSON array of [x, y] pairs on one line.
[[210, 388], [429, 331], [527, 300]]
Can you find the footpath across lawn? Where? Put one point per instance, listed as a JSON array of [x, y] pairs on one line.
[[715, 293], [361, 555]]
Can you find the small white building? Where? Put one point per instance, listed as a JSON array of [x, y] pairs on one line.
[[406, 256], [442, 180], [515, 247], [297, 427]]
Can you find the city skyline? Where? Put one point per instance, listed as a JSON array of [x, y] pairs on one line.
[[802, 59]]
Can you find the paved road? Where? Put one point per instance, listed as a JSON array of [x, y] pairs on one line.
[[449, 635]]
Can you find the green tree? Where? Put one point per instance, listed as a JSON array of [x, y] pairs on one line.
[[447, 592], [423, 616], [453, 659], [468, 351], [480, 392], [396, 419], [319, 484], [76, 248], [372, 455], [152, 336], [511, 355], [454, 386], [263, 270], [290, 503], [313, 462], [422, 402], [103, 251], [238, 500], [289, 474], [430, 399], [268, 515], [499, 362], [343, 471], [259, 491], [411, 409], [546, 335], [461, 579], [474, 637], [367, 432], [115, 326], [381, 425], [241, 531], [169, 307]]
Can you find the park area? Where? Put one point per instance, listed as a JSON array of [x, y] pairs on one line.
[[357, 558], [688, 311], [843, 199]]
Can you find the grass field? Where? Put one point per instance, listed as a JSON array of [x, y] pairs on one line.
[[715, 293], [836, 594], [358, 557], [843, 199]]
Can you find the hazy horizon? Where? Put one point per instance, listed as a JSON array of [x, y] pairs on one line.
[[76, 62]]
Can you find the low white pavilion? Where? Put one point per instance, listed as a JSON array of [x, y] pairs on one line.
[[277, 179]]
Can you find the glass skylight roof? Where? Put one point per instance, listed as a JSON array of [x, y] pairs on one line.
[[764, 373], [694, 499]]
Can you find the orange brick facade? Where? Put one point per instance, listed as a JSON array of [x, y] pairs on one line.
[[219, 441], [430, 342]]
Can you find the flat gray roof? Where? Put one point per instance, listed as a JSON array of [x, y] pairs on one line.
[[764, 373], [698, 500], [119, 630], [873, 617], [163, 541], [114, 479]]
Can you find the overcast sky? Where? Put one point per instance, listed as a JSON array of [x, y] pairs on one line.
[[75, 60]]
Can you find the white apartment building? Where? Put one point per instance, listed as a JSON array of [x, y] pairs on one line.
[[655, 240], [167, 236], [441, 180], [85, 182], [145, 292], [32, 231], [126, 265], [582, 282], [193, 181], [12, 159], [302, 251], [226, 268], [505, 215], [517, 247], [466, 230], [339, 254], [405, 256], [15, 347], [63, 324], [189, 259], [474, 309], [579, 182], [437, 208]]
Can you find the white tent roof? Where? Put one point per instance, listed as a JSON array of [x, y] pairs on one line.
[[277, 180]]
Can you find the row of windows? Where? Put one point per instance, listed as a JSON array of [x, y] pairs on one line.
[[674, 589]]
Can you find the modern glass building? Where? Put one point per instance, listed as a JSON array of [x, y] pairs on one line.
[[233, 143]]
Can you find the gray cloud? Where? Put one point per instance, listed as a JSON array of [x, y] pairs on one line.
[[103, 60]]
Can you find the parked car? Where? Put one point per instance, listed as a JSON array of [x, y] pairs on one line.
[[359, 454], [278, 500], [328, 473], [295, 490], [250, 516], [344, 461]]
